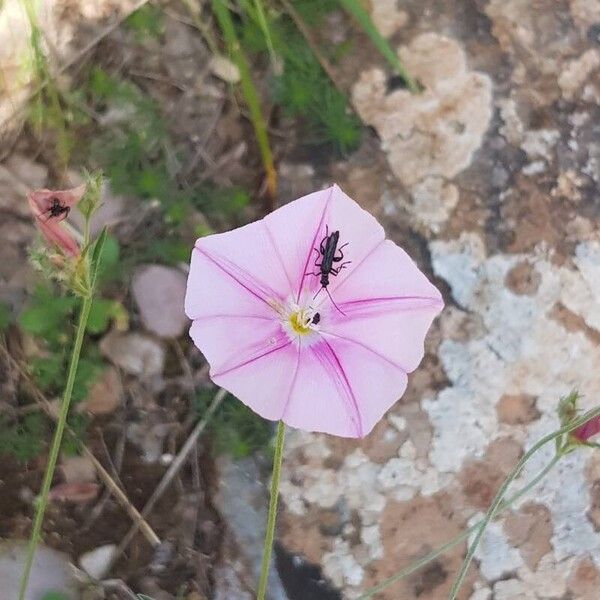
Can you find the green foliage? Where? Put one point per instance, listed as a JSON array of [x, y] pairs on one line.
[[50, 318], [236, 430], [22, 440], [313, 11], [146, 22], [303, 89], [133, 157], [47, 314]]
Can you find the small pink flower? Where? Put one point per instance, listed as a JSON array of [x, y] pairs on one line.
[[49, 208], [587, 430], [274, 337]]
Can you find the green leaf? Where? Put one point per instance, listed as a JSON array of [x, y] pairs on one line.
[[101, 313], [108, 259], [47, 317], [146, 22], [22, 440], [48, 371]]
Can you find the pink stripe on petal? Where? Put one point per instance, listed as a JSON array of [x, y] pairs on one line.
[[315, 401], [365, 347], [243, 278], [376, 383], [331, 362], [264, 383], [380, 306], [229, 340]]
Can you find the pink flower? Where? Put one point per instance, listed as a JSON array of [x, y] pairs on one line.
[[587, 430], [275, 339], [49, 208]]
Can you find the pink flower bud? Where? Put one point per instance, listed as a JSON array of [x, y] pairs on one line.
[[49, 208], [587, 430]]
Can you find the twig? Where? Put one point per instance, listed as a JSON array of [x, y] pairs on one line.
[[121, 586], [116, 465], [116, 491], [171, 472], [312, 44]]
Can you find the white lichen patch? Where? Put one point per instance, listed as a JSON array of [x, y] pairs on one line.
[[429, 137], [387, 17], [578, 72]]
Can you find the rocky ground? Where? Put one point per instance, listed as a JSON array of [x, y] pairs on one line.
[[496, 168], [491, 180]]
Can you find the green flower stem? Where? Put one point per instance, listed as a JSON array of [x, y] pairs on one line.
[[354, 7], [415, 566], [270, 532], [249, 93], [42, 500], [497, 502]]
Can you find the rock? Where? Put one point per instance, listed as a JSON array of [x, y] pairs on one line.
[[105, 394], [242, 502], [78, 469], [96, 562], [223, 68], [387, 17], [135, 353], [434, 133], [51, 572], [228, 585], [78, 493], [159, 294]]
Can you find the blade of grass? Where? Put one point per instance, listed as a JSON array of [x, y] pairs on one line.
[[354, 8], [249, 93], [262, 21], [312, 44]]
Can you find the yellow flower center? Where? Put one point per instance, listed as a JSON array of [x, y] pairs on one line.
[[300, 322]]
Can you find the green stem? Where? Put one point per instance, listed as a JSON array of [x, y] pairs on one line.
[[249, 92], [415, 566], [355, 8], [497, 502], [270, 532], [42, 500], [264, 26]]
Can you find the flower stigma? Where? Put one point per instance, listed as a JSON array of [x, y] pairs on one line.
[[299, 321]]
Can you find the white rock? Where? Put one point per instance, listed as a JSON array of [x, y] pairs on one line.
[[96, 562], [135, 353], [51, 572], [159, 294], [223, 68]]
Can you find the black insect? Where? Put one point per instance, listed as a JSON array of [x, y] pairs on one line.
[[57, 209], [330, 254], [316, 318]]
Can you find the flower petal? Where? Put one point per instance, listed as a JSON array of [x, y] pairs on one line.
[[214, 290], [250, 254], [263, 383], [57, 234], [40, 201], [376, 382], [389, 306], [322, 398], [299, 227], [230, 341]]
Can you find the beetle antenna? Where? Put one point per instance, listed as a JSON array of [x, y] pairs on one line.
[[332, 302]]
